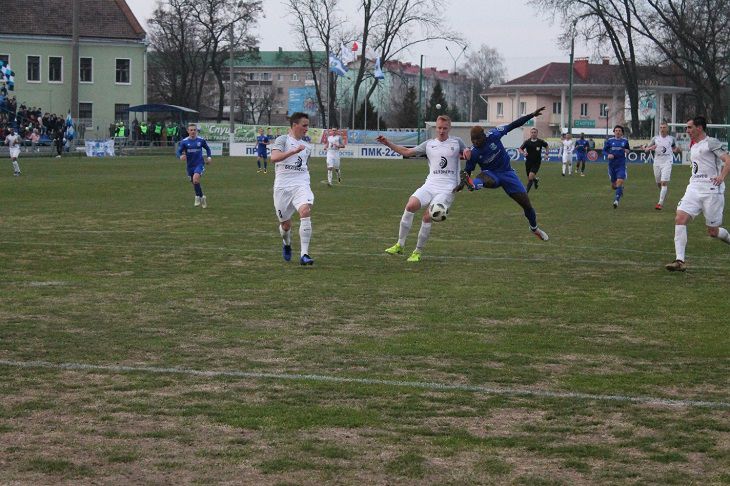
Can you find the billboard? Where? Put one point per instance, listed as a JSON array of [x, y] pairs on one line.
[[302, 99]]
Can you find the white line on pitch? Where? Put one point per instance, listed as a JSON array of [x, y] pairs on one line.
[[524, 392]]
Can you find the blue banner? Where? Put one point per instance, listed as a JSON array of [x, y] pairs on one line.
[[302, 99]]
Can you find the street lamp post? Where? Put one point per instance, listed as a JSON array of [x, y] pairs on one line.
[[570, 81]]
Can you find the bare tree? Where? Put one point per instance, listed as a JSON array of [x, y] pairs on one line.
[[259, 100], [485, 66], [390, 27], [601, 22], [217, 18], [177, 62], [693, 35], [317, 25]]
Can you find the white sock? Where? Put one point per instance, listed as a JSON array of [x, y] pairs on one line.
[[724, 236], [329, 176], [285, 235], [662, 194], [423, 235], [305, 234], [564, 166], [16, 166], [570, 168], [406, 221], [680, 240]]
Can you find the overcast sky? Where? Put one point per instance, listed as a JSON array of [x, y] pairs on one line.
[[526, 39]]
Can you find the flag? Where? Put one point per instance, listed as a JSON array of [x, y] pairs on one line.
[[370, 54], [346, 55], [7, 75], [336, 66], [377, 72], [355, 47]]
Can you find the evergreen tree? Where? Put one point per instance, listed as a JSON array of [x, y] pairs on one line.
[[372, 118], [407, 116], [437, 98]]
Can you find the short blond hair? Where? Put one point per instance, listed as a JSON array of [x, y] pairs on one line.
[[445, 118]]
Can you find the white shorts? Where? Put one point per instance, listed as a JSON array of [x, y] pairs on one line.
[[662, 171], [333, 159], [288, 200], [711, 205], [427, 195], [14, 152], [567, 158]]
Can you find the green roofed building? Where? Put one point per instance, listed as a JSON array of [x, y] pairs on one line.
[[95, 71]]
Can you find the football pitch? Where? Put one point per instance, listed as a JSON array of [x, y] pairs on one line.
[[146, 341]]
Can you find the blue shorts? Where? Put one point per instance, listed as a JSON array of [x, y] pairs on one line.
[[507, 180], [581, 156], [261, 153], [196, 169], [617, 171]]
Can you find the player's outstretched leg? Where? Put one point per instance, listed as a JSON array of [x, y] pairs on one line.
[[524, 201]]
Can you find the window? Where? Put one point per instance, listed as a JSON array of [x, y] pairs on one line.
[[279, 90], [295, 77], [500, 109], [309, 77], [604, 110], [523, 108], [86, 71], [123, 71], [557, 107], [33, 74], [121, 113], [251, 76], [86, 112], [5, 58], [584, 109], [280, 77], [55, 69], [265, 77]]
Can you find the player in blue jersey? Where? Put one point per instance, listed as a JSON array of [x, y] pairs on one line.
[[615, 150], [581, 154], [261, 142], [496, 171], [190, 150]]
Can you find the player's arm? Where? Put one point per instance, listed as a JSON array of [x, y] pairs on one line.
[[277, 150], [716, 147], [179, 152], [327, 144], [207, 151], [404, 151], [522, 148], [520, 121]]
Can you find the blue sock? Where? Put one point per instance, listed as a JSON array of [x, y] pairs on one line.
[[531, 216], [619, 192], [198, 190], [478, 183], [265, 164]]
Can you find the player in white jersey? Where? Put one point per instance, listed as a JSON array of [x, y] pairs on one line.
[[292, 191], [705, 192], [568, 145], [12, 140], [443, 153], [664, 148], [332, 146]]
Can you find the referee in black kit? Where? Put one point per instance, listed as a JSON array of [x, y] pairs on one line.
[[532, 150]]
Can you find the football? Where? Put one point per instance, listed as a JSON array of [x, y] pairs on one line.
[[438, 211]]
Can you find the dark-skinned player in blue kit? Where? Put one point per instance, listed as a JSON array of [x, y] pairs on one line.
[[489, 153], [190, 150]]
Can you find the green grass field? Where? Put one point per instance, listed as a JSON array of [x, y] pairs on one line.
[[145, 341]]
